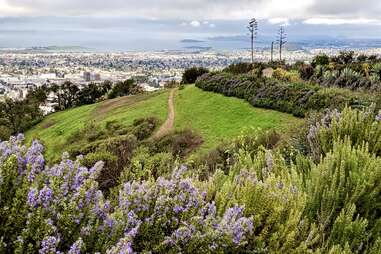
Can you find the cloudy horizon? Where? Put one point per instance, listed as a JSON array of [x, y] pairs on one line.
[[122, 24]]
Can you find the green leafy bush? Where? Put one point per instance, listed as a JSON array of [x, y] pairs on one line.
[[294, 98], [190, 75]]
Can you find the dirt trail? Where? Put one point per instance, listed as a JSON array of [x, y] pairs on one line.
[[168, 125]]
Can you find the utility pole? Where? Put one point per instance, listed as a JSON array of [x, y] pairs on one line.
[[272, 51], [282, 39], [253, 28]]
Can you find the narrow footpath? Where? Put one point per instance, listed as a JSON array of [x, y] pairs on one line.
[[168, 124]]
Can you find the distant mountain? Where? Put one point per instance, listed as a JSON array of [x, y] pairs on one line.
[[191, 41], [230, 38], [47, 49], [206, 48]]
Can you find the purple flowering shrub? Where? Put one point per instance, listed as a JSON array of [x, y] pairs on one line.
[[271, 193], [360, 126], [63, 210]]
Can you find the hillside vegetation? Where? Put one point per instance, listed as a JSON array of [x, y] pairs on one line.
[[218, 118], [212, 116], [125, 187], [54, 131], [322, 199]]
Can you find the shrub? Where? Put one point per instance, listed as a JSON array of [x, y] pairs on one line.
[[346, 180], [61, 209], [223, 156], [145, 166], [361, 127], [287, 76], [294, 98], [321, 59], [144, 127], [179, 143], [190, 75], [109, 175], [306, 71]]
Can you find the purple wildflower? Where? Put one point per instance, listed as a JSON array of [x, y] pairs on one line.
[[33, 197], [124, 246], [76, 247], [280, 185], [178, 209], [378, 117], [45, 196], [49, 245]]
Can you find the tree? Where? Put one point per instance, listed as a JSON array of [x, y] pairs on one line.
[[38, 95], [123, 88], [92, 93], [69, 94], [344, 57], [18, 116], [321, 59], [66, 95], [190, 75]]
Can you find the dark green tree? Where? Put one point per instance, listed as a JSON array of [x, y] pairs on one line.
[[321, 59], [123, 88], [190, 75]]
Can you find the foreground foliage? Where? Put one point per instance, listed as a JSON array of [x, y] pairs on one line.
[[263, 202]]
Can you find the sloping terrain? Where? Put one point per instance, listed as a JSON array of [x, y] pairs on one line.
[[213, 116], [58, 127], [219, 118]]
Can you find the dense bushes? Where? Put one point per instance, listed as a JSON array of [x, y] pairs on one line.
[[295, 98], [360, 127], [261, 204], [178, 143], [344, 70], [69, 95], [130, 148], [47, 210], [20, 115], [190, 75]]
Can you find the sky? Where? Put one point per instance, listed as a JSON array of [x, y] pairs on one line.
[[162, 24]]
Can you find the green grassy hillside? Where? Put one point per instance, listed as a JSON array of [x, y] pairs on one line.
[[219, 118], [213, 116], [57, 127]]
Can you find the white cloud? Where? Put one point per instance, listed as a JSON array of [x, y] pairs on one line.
[[279, 21], [333, 21], [195, 23], [276, 11]]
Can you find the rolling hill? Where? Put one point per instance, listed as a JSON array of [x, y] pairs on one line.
[[213, 116], [219, 118]]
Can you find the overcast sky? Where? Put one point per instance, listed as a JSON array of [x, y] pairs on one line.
[[80, 21], [323, 10]]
